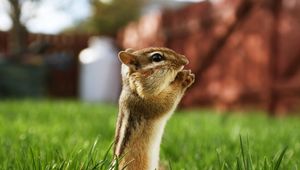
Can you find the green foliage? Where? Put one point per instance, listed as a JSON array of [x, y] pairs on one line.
[[108, 18], [76, 135]]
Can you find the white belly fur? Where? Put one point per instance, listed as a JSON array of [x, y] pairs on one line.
[[155, 140]]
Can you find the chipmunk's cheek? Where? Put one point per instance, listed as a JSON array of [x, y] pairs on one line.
[[147, 73]]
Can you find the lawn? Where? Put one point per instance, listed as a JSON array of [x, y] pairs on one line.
[[74, 135]]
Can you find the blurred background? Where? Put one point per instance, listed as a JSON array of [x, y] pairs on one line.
[[245, 53]]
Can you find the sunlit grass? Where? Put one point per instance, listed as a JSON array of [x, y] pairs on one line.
[[76, 135]]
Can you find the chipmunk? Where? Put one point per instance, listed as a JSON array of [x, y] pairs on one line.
[[154, 82]]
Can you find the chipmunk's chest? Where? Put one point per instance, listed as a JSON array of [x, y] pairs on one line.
[[143, 137]]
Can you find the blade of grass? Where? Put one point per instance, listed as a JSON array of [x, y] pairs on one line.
[[219, 158], [265, 167], [249, 157], [280, 158], [61, 167], [170, 165], [33, 159], [90, 158], [127, 163], [105, 157], [116, 164], [243, 153], [238, 164]]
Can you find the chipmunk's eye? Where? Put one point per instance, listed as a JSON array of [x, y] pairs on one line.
[[157, 57]]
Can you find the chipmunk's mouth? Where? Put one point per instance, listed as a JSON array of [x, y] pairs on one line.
[[177, 70], [180, 69]]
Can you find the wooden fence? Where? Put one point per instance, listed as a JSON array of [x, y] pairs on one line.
[[61, 81]]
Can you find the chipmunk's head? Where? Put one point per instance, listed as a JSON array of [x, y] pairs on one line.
[[153, 61]]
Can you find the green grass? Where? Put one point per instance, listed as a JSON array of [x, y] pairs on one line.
[[75, 135]]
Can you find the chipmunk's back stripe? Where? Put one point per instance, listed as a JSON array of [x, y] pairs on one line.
[[129, 127], [122, 133], [119, 124]]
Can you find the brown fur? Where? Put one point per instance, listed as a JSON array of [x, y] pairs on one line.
[[150, 91]]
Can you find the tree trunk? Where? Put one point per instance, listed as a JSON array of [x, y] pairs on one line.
[[274, 55], [18, 33]]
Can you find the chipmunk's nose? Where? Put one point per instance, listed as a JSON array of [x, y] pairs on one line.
[[184, 60]]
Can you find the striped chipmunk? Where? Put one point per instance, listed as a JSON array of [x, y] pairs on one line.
[[154, 82]]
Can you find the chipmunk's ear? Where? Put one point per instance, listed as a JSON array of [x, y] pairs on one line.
[[129, 50], [128, 58]]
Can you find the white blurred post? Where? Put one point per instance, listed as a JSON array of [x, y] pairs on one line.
[[100, 78]]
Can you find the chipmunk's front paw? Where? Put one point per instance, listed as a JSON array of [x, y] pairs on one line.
[[186, 78]]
